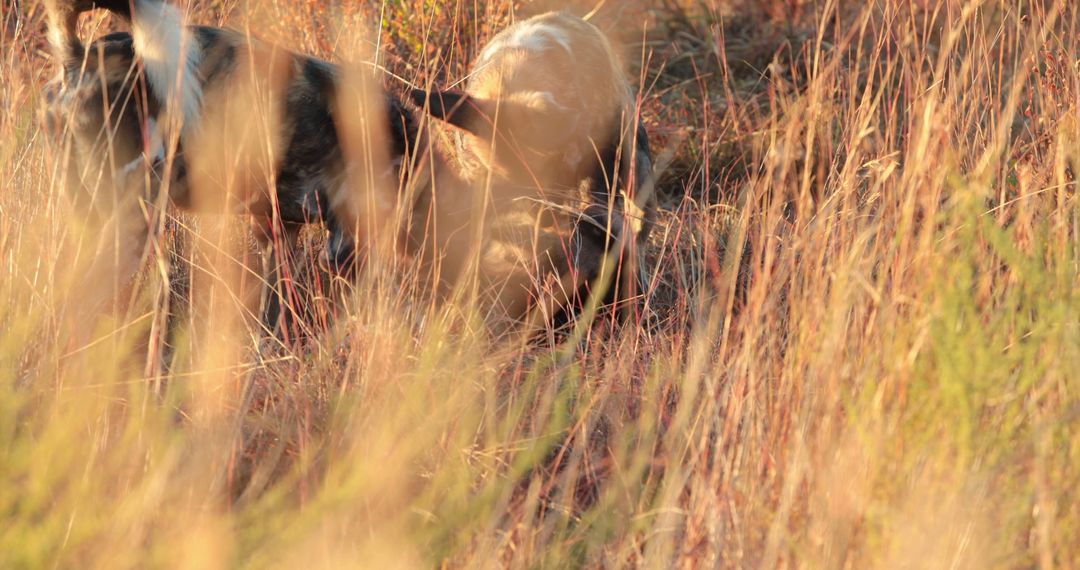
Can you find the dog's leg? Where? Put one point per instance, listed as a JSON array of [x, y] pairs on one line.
[[280, 305]]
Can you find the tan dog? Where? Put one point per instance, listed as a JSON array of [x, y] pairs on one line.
[[548, 124]]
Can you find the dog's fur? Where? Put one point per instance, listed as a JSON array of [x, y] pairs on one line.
[[214, 85], [549, 116]]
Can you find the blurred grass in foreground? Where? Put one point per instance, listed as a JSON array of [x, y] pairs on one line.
[[861, 349]]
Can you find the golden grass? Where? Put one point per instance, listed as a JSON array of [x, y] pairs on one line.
[[861, 348]]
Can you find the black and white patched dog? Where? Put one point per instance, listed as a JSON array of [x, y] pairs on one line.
[[548, 116], [214, 110]]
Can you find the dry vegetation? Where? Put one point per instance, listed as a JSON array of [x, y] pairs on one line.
[[861, 346]]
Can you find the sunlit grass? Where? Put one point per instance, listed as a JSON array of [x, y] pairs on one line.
[[860, 349]]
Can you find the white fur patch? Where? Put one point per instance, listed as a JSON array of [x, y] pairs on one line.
[[156, 147], [130, 167], [171, 56], [529, 35], [58, 39], [539, 100]]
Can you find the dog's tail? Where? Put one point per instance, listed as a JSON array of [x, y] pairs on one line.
[[169, 52], [62, 19]]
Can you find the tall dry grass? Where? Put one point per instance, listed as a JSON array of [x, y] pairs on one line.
[[860, 349]]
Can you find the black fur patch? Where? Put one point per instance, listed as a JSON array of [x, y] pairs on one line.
[[219, 53], [313, 151]]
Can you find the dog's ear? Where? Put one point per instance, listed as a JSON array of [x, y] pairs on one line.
[[457, 108]]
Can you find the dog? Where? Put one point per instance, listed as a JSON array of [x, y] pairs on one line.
[[548, 116], [223, 123], [125, 96]]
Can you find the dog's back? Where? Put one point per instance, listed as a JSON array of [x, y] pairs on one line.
[[577, 118]]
